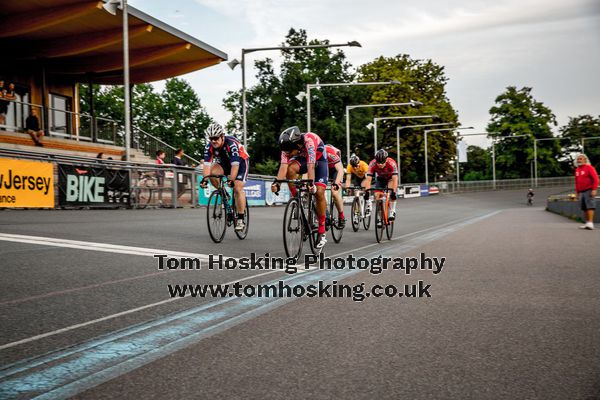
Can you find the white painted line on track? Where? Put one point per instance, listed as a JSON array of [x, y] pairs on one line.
[[95, 246], [21, 238]]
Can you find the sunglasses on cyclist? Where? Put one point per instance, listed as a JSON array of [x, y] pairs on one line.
[[214, 139]]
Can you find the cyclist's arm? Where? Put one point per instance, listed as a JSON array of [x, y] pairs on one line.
[[393, 183], [207, 168], [234, 171], [282, 174], [367, 182], [311, 171], [348, 179], [340, 173]]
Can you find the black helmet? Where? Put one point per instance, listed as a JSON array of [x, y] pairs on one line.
[[381, 156], [290, 139], [354, 160]]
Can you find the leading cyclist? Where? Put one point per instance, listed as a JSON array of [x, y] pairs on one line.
[[225, 155], [303, 153], [385, 171]]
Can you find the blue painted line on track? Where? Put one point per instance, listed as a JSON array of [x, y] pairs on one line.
[[66, 373]]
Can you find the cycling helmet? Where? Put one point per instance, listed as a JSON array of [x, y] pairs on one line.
[[214, 130], [290, 139], [381, 156], [354, 160]]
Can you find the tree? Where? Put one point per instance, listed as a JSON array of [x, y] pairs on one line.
[[421, 80], [583, 126], [516, 113], [273, 106], [175, 115], [478, 167]]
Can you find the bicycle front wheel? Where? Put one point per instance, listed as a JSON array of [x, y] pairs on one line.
[[336, 231], [216, 217], [313, 226], [355, 213], [379, 221], [142, 197], [389, 229], [293, 231], [242, 234], [367, 220]]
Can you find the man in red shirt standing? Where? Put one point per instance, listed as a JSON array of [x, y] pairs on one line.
[[586, 183]]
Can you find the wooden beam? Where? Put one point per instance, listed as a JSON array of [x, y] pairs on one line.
[[68, 46], [112, 61], [19, 24], [155, 73]]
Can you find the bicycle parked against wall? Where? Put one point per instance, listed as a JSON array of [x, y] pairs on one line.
[[300, 221], [382, 206], [143, 193], [221, 211], [358, 211]]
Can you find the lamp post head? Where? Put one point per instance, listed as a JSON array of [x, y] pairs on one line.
[[354, 43], [300, 96], [370, 125], [395, 82], [233, 63], [111, 6], [415, 103]]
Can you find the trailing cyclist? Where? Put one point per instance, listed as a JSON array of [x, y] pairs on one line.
[[336, 173], [225, 155], [356, 173], [303, 153], [385, 171]]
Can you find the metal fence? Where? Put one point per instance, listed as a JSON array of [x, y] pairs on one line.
[[505, 184]]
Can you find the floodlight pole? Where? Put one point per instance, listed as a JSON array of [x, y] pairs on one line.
[[126, 88]]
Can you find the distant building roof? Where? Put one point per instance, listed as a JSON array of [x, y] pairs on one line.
[[76, 39]]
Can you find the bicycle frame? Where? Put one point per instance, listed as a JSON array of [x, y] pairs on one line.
[[301, 186]]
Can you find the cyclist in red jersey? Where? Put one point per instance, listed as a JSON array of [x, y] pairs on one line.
[[303, 153], [385, 171], [336, 172]]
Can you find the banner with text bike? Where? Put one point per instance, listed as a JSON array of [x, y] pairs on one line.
[[26, 184], [82, 186]]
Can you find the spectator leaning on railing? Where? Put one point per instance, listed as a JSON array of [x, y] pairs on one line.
[[586, 183], [32, 127]]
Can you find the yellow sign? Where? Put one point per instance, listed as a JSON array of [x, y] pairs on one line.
[[26, 183]]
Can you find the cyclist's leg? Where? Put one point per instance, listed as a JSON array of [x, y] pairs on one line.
[[393, 184], [296, 166], [238, 187], [216, 169], [321, 175]]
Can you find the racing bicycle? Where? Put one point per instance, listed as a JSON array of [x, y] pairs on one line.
[[382, 205], [300, 221], [143, 192], [221, 211], [358, 212]]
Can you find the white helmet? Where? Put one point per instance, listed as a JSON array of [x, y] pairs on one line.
[[214, 130]]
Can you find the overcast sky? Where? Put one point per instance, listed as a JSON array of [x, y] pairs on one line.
[[552, 46]]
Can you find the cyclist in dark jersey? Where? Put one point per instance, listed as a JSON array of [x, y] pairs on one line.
[[225, 155]]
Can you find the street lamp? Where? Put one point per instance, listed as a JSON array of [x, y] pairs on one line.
[[352, 107], [587, 138], [398, 129], [426, 158], [373, 124], [317, 85], [111, 7], [233, 63], [535, 154]]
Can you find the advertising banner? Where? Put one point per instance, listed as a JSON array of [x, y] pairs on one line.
[[26, 184], [282, 198], [411, 191], [424, 190], [92, 186], [254, 189]]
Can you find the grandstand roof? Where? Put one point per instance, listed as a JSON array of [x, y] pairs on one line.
[[76, 39]]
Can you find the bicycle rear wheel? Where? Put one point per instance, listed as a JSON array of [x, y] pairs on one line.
[[242, 234], [293, 230], [336, 231], [379, 221], [216, 217], [142, 197], [355, 213]]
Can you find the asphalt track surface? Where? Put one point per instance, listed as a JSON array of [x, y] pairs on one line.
[[85, 312]]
